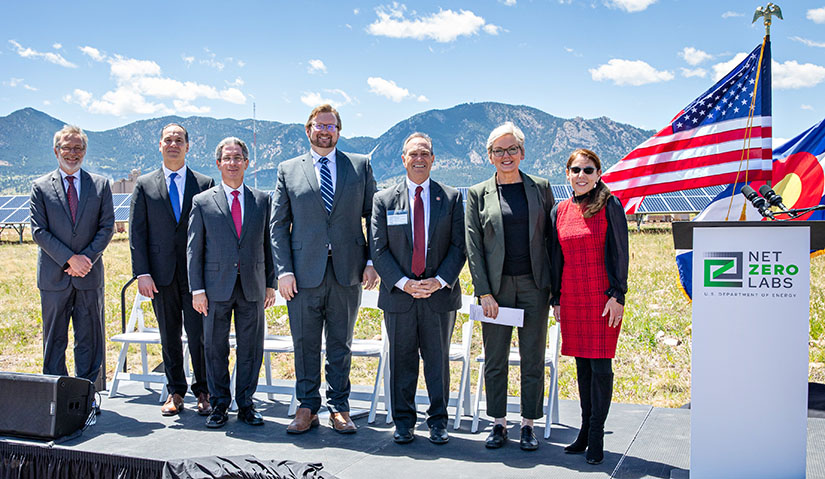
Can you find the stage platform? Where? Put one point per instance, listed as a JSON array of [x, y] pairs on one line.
[[640, 442]]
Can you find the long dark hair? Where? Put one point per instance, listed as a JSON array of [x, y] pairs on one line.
[[597, 198]]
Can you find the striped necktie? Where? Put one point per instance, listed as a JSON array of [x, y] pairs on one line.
[[327, 193]]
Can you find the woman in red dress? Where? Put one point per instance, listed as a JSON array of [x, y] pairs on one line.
[[589, 260]]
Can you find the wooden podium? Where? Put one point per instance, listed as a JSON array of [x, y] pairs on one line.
[[749, 356]]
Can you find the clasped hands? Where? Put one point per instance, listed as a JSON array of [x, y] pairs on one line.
[[422, 288], [79, 266]]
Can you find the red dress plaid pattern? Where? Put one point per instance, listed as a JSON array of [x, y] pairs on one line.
[[584, 330]]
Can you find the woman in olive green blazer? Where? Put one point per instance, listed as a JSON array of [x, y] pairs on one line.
[[506, 218]]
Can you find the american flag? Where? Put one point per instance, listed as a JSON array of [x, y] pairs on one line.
[[710, 142]]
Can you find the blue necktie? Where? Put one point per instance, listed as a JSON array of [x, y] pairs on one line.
[[327, 193], [174, 196]]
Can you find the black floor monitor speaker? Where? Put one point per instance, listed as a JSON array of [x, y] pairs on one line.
[[41, 406]]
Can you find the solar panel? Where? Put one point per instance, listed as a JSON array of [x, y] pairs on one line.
[[4, 200], [119, 199], [16, 201], [652, 204], [18, 216], [678, 204], [561, 192], [122, 213], [4, 213]]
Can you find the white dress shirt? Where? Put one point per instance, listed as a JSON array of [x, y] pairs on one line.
[[229, 198], [180, 181], [331, 165], [76, 175], [425, 198]]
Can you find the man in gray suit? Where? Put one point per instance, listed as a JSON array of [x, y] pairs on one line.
[[321, 255], [158, 219], [229, 256], [72, 221], [418, 249]]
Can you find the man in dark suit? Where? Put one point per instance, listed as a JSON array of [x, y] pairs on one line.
[[72, 221], [229, 255], [321, 255], [158, 219], [418, 250]]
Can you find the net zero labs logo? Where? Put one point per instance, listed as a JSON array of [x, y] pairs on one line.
[[723, 269]]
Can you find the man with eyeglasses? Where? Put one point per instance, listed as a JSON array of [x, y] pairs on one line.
[[321, 257], [229, 258], [72, 221], [158, 218]]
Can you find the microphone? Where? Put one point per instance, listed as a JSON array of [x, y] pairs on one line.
[[773, 198], [757, 201]]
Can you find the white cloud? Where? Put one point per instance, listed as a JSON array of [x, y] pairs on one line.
[[188, 60], [46, 103], [356, 11], [313, 99], [184, 107], [792, 75], [694, 56], [785, 76], [509, 3], [237, 82], [126, 68], [387, 88], [50, 57], [631, 5], [806, 107], [15, 82], [240, 63], [316, 66], [422, 99], [57, 46], [732, 14], [816, 15], [629, 72], [29, 87], [695, 72], [443, 27], [93, 53], [809, 43]]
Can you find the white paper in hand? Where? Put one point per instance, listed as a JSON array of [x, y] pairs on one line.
[[506, 316]]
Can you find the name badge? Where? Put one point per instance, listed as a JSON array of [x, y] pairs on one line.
[[397, 217]]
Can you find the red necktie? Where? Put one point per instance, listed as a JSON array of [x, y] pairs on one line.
[[71, 195], [418, 259], [236, 212]]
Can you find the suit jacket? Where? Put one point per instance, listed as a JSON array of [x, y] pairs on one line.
[[215, 255], [157, 241], [302, 230], [59, 239], [392, 246], [485, 233]]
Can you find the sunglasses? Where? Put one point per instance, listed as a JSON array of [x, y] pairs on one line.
[[588, 170]]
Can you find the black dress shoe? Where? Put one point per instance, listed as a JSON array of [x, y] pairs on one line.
[[438, 435], [528, 439], [250, 416], [497, 437], [403, 435], [218, 417]]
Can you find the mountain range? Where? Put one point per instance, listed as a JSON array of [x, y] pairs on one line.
[[459, 141]]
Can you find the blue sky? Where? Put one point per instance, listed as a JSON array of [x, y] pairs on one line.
[[105, 64]]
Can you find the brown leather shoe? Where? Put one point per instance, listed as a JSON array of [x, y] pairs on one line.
[[341, 422], [173, 405], [204, 408], [303, 422]]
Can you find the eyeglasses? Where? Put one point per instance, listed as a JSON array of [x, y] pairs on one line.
[[512, 151], [233, 159], [588, 170], [73, 149], [321, 127]]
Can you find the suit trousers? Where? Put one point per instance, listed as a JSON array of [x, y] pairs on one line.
[[330, 309], [250, 328], [428, 333], [84, 308], [173, 308], [517, 292]]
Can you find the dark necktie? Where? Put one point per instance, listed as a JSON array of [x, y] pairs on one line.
[[327, 193], [71, 195], [236, 212], [174, 196], [418, 259]]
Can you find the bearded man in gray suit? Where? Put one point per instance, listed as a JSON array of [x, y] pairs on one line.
[[72, 221], [321, 255], [229, 257]]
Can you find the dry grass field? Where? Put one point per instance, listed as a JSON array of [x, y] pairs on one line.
[[652, 362]]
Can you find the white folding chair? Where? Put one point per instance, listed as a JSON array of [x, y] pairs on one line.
[[137, 333], [551, 360]]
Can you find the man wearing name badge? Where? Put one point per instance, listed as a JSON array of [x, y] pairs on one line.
[[158, 220], [229, 255], [72, 221], [321, 255], [418, 250]]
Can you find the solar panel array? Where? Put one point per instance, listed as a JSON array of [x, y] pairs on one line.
[[14, 209]]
